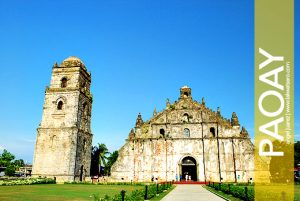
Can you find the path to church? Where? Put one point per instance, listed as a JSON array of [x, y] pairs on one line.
[[186, 192]]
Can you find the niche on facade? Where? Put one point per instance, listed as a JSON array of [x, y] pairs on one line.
[[84, 144], [53, 140], [186, 132], [64, 82], [212, 132], [162, 132]]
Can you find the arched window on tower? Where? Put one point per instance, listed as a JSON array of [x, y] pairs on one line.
[[60, 105], [162, 132], [64, 82], [212, 131]]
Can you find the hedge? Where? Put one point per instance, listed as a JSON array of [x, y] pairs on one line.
[[29, 181], [149, 192], [242, 192]]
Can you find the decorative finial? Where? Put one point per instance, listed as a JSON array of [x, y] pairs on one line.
[[218, 111], [139, 121], [168, 103], [131, 134], [154, 112], [55, 65], [244, 132], [234, 120], [203, 101]]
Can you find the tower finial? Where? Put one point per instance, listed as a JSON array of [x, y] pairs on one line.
[[244, 132], [139, 121], [168, 103], [203, 101], [218, 111], [234, 120], [131, 134], [55, 65], [154, 112]]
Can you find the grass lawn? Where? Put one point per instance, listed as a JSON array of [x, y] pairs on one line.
[[297, 192], [61, 191], [265, 189], [163, 194]]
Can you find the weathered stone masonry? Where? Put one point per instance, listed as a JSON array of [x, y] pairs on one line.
[[186, 138], [64, 138]]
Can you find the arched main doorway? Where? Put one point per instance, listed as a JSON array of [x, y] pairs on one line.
[[189, 167]]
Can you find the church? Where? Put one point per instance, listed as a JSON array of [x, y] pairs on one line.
[[186, 140]]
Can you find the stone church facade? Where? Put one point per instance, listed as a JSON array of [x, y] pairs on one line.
[[187, 138], [64, 138]]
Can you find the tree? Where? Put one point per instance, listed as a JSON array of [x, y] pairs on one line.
[[19, 163], [110, 161], [95, 161], [10, 170], [6, 158], [103, 152]]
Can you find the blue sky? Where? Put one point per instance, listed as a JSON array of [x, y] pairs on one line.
[[139, 53]]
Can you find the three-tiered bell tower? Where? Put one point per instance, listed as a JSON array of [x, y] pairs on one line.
[[64, 138]]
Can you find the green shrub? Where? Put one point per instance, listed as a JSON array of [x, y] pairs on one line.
[[238, 191], [27, 181], [10, 170], [137, 195]]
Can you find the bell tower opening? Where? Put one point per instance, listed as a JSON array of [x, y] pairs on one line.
[[189, 169], [185, 92], [162, 132]]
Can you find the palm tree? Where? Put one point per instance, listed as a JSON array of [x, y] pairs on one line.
[[110, 161], [95, 161], [103, 152]]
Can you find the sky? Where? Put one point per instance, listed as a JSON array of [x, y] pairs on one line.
[[139, 53]]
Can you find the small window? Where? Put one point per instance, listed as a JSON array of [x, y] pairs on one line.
[[60, 105], [162, 132], [185, 94], [64, 82], [84, 144], [186, 132], [212, 131], [186, 118], [84, 108]]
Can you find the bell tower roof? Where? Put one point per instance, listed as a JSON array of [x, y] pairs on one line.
[[72, 61], [185, 92]]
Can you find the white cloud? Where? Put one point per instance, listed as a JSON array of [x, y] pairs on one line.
[[1, 148], [28, 140]]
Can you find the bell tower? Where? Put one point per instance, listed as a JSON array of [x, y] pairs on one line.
[[64, 138], [185, 92]]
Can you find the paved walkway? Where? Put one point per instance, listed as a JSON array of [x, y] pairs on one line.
[[186, 192]]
